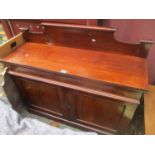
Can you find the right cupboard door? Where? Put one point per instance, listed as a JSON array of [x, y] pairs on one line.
[[102, 113]]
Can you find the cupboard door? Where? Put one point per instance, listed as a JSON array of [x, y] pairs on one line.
[[40, 95], [99, 112]]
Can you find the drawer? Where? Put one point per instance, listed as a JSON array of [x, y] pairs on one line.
[[85, 85]]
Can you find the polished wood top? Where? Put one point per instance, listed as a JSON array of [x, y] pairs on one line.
[[98, 65], [119, 69]]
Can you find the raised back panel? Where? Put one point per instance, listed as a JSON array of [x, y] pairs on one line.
[[87, 37]]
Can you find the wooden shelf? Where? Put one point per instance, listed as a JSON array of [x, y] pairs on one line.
[[125, 70]]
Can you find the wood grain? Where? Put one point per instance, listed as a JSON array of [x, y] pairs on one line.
[[73, 87], [99, 112], [130, 31], [86, 37], [111, 68], [12, 26], [80, 75], [149, 111]]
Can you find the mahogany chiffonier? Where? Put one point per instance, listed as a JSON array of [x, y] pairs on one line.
[[78, 75]]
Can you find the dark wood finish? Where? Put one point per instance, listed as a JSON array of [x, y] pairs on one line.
[[82, 89], [33, 90], [128, 30], [12, 26], [72, 60], [149, 111], [86, 37], [97, 87], [93, 110], [73, 105], [80, 75]]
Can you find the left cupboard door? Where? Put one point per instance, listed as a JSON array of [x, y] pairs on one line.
[[40, 96]]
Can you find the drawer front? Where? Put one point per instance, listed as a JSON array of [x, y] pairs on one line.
[[120, 91]]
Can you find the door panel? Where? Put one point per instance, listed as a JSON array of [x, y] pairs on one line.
[[95, 112], [102, 112], [40, 95]]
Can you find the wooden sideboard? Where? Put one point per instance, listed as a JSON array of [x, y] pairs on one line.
[[78, 75]]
